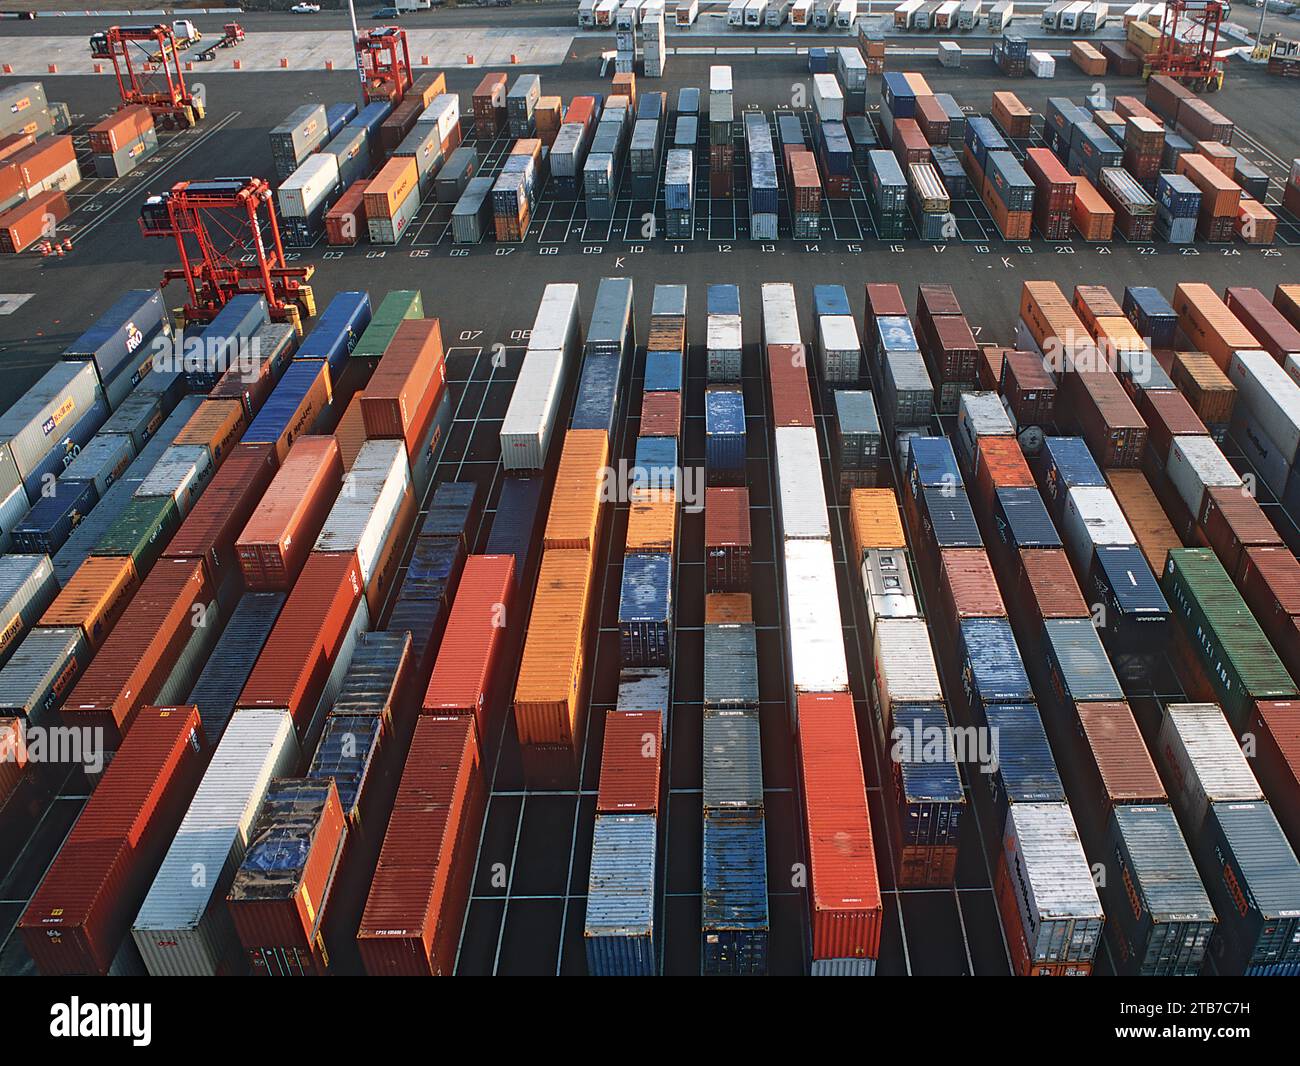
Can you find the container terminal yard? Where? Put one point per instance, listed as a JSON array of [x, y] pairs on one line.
[[650, 499]]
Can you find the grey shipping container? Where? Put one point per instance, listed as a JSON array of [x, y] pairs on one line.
[[644, 688], [730, 665], [908, 395], [456, 173], [102, 461], [37, 422], [619, 930], [472, 215], [857, 429], [41, 672], [27, 587], [733, 758]]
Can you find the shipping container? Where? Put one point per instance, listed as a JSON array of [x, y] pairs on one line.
[[618, 933], [1203, 762], [735, 921], [817, 661], [727, 540]]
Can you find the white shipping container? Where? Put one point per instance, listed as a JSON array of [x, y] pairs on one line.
[[530, 418], [725, 348], [367, 505], [311, 185], [736, 12], [755, 12], [887, 585], [1202, 761], [780, 314], [27, 587], [1055, 893], [950, 55], [555, 327], [1042, 64], [444, 113], [905, 667], [979, 414], [840, 349], [1093, 519], [1269, 394], [687, 12], [181, 473], [66, 177], [1196, 464], [803, 512], [846, 13], [817, 662], [722, 105], [828, 98], [184, 928]]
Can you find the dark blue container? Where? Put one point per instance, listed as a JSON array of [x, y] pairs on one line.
[[1010, 182], [992, 670], [1175, 146], [862, 135], [1135, 616], [282, 406], [238, 320], [949, 520], [831, 300], [596, 406], [339, 115], [948, 163], [645, 610], [1255, 889], [898, 95], [724, 299], [1026, 771], [734, 914], [1077, 663], [514, 522], [931, 462], [434, 568], [1151, 314], [837, 149], [422, 611], [45, 528], [688, 101], [217, 690], [121, 336], [724, 436], [655, 465], [929, 791], [1021, 519], [453, 512], [819, 61], [982, 137], [337, 330], [663, 371], [790, 131], [1177, 195], [346, 754], [650, 105], [1064, 464]]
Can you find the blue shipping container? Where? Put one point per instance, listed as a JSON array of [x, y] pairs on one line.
[[831, 300], [598, 394], [514, 522], [1135, 618], [724, 299], [950, 522], [45, 528], [619, 930], [645, 610], [337, 330], [120, 336], [1026, 771], [1064, 463], [282, 406], [1021, 519], [1077, 662], [1151, 314], [928, 789], [655, 463], [663, 371], [734, 906], [931, 462], [217, 690], [992, 670], [724, 436]]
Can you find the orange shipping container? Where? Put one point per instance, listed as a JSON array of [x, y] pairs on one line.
[[1208, 323], [547, 698], [1095, 301], [875, 521], [410, 377], [94, 597], [1050, 317], [1013, 225], [1286, 298], [120, 129], [918, 83], [1155, 535], [216, 423], [1221, 157], [24, 225], [1256, 224], [1220, 195], [45, 157], [390, 187], [1087, 59], [1012, 117], [1092, 216], [728, 608], [1206, 388], [624, 85], [351, 432], [652, 527], [574, 518], [15, 143]]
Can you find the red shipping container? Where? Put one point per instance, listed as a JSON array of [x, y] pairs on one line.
[[1132, 107], [1108, 421], [297, 657], [935, 300], [1046, 588], [489, 104], [967, 589], [120, 129], [24, 225], [805, 181], [137, 656], [15, 143], [1270, 585], [1028, 389], [1092, 302], [910, 144], [843, 888], [934, 122], [1275, 725], [466, 667], [884, 299], [630, 762], [1275, 334], [44, 158], [950, 347], [346, 220], [1116, 759], [11, 186], [999, 464], [273, 544], [1053, 184], [278, 920], [82, 911], [661, 414], [1231, 522], [412, 919], [728, 545], [411, 368], [209, 531], [787, 373], [1167, 415], [989, 368]]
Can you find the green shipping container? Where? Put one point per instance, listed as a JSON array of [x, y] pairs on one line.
[[1236, 655], [397, 305], [141, 531]]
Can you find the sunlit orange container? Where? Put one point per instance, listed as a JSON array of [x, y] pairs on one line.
[[1286, 298], [1208, 323], [574, 518], [724, 608], [385, 194], [548, 691], [217, 424], [1092, 302], [94, 597], [1255, 224], [1145, 516], [652, 527], [1221, 157], [1206, 387], [875, 521], [1092, 216], [999, 464], [1048, 314], [351, 432]]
